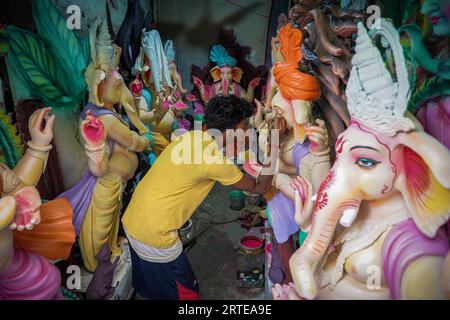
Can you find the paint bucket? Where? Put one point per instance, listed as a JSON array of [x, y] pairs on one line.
[[237, 200], [251, 244]]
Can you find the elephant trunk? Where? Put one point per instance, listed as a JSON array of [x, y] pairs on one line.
[[132, 111], [225, 86], [334, 203]]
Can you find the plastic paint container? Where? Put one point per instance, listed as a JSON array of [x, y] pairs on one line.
[[237, 200]]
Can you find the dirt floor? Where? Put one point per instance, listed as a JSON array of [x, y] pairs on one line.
[[215, 257]]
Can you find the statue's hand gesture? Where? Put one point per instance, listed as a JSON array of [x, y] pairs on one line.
[[28, 202], [318, 135], [93, 131], [40, 126]]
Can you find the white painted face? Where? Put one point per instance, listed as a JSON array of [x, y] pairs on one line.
[[283, 106], [366, 161]]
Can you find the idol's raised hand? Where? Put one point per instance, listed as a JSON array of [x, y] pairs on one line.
[[40, 126], [318, 135], [28, 215], [93, 131]]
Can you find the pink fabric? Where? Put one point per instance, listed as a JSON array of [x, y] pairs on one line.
[[184, 124], [404, 245], [198, 108], [30, 277]]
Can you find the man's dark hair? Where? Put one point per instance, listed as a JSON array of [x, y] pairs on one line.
[[224, 113]]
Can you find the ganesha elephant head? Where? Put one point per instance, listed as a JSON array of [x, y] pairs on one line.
[[225, 72], [105, 84], [382, 158], [296, 90], [227, 76]]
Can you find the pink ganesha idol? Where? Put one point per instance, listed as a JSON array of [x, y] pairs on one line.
[[376, 230]]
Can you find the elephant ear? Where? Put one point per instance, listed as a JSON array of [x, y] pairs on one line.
[[216, 74], [425, 180], [97, 85], [237, 74]]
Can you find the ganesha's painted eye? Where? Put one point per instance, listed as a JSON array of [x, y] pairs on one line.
[[366, 163]]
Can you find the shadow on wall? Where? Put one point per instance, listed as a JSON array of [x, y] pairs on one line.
[[206, 29]]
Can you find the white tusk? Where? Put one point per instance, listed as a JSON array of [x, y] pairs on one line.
[[348, 217], [102, 75], [146, 68], [314, 197]]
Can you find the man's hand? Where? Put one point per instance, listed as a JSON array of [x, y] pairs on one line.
[[318, 135], [253, 168], [40, 126], [28, 202], [93, 131], [261, 105]]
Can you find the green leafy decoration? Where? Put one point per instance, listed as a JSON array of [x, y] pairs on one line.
[[11, 147], [86, 48], [429, 89], [64, 45], [37, 67]]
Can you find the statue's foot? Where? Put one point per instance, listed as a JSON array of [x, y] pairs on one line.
[[7, 211], [285, 292], [122, 280]]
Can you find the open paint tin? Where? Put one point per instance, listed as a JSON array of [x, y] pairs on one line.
[[251, 244]]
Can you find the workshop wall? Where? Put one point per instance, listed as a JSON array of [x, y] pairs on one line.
[[194, 27]]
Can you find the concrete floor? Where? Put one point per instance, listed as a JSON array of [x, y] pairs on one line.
[[214, 257]]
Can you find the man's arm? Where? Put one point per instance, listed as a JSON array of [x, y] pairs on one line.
[[260, 185]]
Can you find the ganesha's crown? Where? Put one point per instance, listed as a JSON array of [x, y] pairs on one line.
[[373, 98], [103, 52]]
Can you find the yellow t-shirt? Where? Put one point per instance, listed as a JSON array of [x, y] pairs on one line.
[[178, 182]]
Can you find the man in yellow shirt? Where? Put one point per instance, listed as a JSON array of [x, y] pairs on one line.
[[165, 199]]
